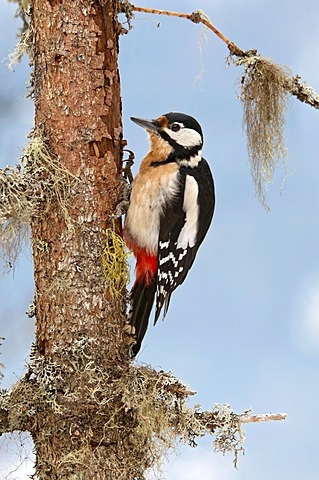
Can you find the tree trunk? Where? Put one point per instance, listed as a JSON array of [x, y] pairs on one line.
[[79, 326]]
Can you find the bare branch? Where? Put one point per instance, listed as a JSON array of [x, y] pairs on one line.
[[262, 417], [210, 420], [293, 85], [196, 17]]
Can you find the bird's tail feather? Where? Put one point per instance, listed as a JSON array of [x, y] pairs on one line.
[[142, 299], [160, 305]]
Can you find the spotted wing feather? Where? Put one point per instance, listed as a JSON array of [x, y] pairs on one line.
[[174, 259]]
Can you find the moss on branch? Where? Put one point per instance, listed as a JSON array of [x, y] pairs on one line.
[[29, 191], [138, 412]]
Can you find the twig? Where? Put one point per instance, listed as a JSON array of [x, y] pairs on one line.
[[196, 17], [262, 417], [209, 419], [294, 85]]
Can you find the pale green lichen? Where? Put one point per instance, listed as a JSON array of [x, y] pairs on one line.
[[30, 191], [115, 263], [264, 98]]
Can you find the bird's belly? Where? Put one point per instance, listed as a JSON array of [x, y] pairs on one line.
[[148, 199]]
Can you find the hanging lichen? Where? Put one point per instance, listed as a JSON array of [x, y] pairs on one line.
[[114, 262], [24, 46], [25, 42], [45, 167], [29, 191], [264, 98], [228, 434]]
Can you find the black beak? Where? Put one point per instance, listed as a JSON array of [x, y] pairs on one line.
[[152, 125]]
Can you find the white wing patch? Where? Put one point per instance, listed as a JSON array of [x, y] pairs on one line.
[[188, 235]]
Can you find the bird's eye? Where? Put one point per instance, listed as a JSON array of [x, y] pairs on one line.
[[175, 127]]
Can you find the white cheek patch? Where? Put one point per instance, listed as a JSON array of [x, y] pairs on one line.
[[188, 235], [187, 137]]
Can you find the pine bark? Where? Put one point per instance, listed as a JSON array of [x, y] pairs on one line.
[[78, 111], [78, 115]]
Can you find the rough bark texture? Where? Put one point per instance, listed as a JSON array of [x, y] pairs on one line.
[[78, 111], [78, 115]]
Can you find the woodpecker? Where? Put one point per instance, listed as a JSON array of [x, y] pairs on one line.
[[171, 208]]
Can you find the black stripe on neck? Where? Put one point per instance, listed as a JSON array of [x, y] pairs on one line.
[[179, 152]]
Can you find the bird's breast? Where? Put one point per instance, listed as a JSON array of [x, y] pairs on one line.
[[152, 190]]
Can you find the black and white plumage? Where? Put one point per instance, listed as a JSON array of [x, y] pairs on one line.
[[171, 208], [180, 237]]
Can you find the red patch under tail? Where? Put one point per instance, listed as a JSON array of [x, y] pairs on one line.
[[142, 293]]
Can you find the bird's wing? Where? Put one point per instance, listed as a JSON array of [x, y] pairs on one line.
[[183, 226]]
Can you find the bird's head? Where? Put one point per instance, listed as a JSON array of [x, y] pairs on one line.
[[180, 131]]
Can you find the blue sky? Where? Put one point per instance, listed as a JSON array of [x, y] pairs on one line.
[[244, 327]]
